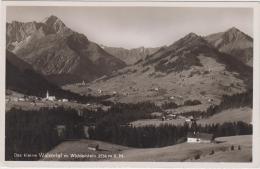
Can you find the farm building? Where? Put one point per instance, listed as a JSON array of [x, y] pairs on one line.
[[156, 114], [61, 129], [171, 116], [93, 147], [196, 137]]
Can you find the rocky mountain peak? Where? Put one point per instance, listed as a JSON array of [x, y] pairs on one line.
[[190, 40], [233, 42], [234, 34], [54, 25], [233, 29], [192, 36], [50, 20]]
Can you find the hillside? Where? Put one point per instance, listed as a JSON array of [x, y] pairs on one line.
[[189, 69], [235, 43], [243, 114], [59, 53], [21, 77], [130, 56], [175, 153], [230, 115]]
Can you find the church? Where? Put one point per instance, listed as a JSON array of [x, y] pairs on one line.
[[50, 98]]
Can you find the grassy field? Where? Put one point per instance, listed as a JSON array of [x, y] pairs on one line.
[[231, 115], [179, 152], [80, 147]]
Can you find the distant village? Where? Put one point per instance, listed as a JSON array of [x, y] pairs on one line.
[[22, 98], [19, 100]]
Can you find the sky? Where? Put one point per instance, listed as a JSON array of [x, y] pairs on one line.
[[132, 27]]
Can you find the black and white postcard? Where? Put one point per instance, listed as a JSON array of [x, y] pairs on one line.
[[130, 82]]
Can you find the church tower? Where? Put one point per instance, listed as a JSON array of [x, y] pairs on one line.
[[47, 94]]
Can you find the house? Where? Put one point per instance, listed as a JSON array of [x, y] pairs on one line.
[[210, 100], [93, 147], [156, 89], [171, 116], [172, 97], [64, 100], [114, 92], [197, 137], [61, 130], [163, 118], [21, 99], [188, 120], [156, 114]]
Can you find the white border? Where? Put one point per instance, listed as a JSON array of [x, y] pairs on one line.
[[256, 105]]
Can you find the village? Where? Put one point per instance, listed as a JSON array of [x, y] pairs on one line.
[[17, 100]]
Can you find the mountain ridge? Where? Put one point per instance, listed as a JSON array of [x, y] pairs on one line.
[[130, 56], [188, 69], [233, 42], [55, 50]]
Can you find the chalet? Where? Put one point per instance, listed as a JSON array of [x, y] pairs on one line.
[[171, 116], [188, 120], [61, 130], [156, 89], [163, 118], [197, 137], [21, 99], [64, 100], [210, 100], [156, 114], [114, 92], [93, 147]]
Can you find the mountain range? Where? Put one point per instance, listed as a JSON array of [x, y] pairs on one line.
[[193, 67], [189, 69], [130, 56], [59, 53]]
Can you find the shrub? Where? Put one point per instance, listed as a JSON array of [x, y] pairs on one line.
[[169, 105], [232, 148], [212, 152], [197, 157], [192, 102]]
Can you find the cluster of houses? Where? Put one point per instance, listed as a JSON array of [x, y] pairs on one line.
[[34, 98], [171, 116]]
